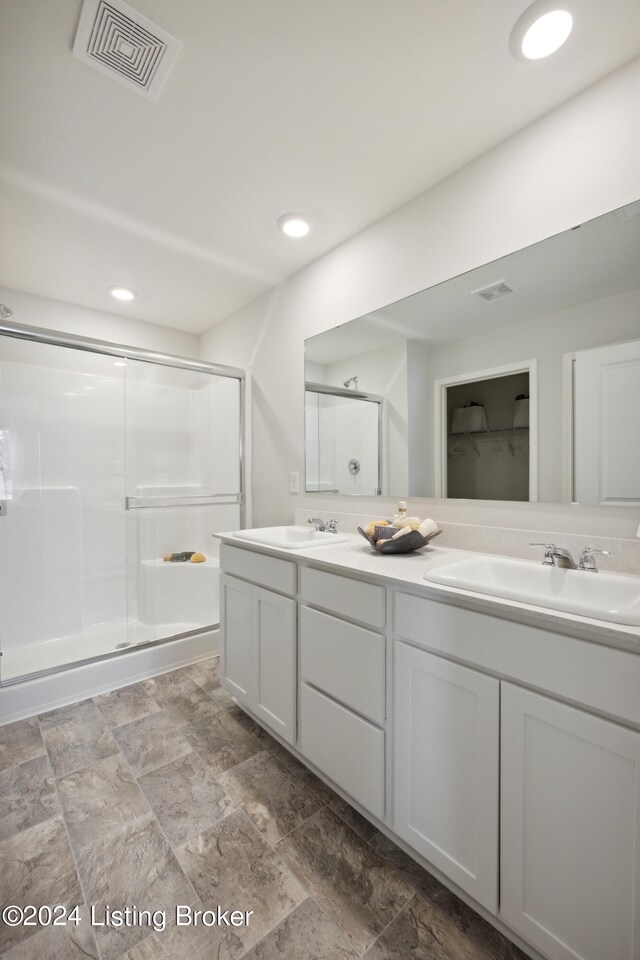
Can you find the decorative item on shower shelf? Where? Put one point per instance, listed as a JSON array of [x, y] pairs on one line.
[[183, 557], [401, 535]]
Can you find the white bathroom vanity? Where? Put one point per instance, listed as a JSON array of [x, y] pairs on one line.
[[496, 741]]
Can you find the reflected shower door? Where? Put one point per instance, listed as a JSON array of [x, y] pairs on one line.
[[62, 522], [183, 485], [343, 443]]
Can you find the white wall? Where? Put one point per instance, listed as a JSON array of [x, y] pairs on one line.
[[82, 321], [576, 163], [419, 418]]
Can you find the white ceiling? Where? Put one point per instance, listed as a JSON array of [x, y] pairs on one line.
[[342, 109]]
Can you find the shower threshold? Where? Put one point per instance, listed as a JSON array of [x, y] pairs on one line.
[[97, 641]]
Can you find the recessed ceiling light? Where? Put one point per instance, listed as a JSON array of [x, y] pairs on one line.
[[541, 30], [294, 225], [122, 293]]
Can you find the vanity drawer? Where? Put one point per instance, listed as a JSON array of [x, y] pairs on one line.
[[345, 661], [259, 568], [346, 597], [348, 749], [592, 675]]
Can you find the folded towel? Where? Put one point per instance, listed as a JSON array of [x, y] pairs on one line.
[[402, 533], [428, 527]]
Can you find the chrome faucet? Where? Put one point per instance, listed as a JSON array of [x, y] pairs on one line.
[[553, 553], [322, 526], [587, 558]]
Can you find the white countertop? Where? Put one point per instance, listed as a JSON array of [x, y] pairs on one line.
[[357, 557]]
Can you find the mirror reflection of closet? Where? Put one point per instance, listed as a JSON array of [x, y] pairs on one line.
[[488, 439]]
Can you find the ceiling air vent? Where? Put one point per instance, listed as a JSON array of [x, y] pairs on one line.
[[121, 43], [495, 291]]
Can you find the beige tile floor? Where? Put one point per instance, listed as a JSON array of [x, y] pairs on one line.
[[164, 792]]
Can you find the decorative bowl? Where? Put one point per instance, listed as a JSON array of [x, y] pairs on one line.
[[407, 544]]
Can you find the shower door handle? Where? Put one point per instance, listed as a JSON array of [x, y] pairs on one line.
[[216, 499], [3, 494]]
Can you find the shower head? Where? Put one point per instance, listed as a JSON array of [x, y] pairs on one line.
[[5, 312], [351, 380]]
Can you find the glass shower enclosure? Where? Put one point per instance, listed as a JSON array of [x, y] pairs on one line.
[[116, 466], [343, 441]]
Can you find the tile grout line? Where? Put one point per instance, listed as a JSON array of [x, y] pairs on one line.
[[297, 776], [114, 726], [287, 867], [153, 815], [166, 839], [264, 748], [71, 847], [389, 862], [415, 890], [277, 927], [402, 910], [61, 814], [233, 809], [322, 806]]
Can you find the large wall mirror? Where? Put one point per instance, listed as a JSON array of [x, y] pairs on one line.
[[519, 380]]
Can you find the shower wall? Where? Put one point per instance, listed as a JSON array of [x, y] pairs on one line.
[[183, 480], [83, 436]]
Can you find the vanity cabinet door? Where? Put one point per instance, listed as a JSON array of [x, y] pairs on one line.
[[236, 644], [570, 829], [446, 743], [258, 652], [274, 652]]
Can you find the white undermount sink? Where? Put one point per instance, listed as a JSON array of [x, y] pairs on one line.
[[601, 596], [290, 538]]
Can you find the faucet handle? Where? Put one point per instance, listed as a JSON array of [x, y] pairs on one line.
[[549, 551], [586, 557], [332, 526]]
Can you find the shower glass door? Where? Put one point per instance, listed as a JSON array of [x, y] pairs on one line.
[[113, 471], [63, 591], [343, 443], [183, 483]]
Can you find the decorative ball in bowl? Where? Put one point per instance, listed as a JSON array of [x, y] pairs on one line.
[[385, 538]]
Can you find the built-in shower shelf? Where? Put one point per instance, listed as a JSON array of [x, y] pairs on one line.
[[211, 562]]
